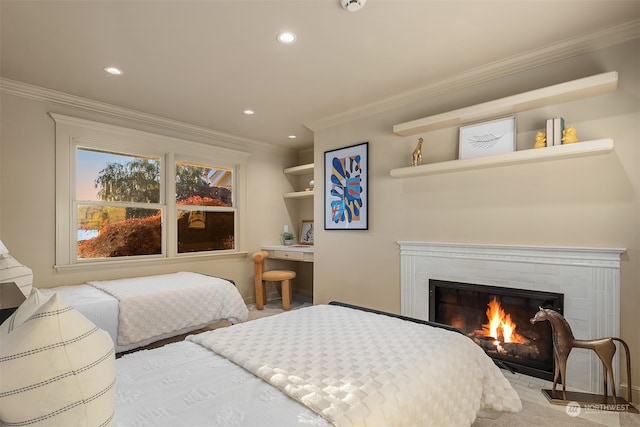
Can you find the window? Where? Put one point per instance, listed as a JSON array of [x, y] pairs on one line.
[[117, 205], [131, 195], [206, 216]]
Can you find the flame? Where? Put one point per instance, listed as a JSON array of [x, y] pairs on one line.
[[500, 325]]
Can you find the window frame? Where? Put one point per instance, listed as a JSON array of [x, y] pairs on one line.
[[72, 132]]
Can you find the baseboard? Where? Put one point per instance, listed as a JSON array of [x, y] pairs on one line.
[[636, 392]]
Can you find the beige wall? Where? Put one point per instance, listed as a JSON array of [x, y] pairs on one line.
[[575, 202], [27, 199], [591, 201]]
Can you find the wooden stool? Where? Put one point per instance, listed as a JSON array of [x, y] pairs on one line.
[[261, 277]]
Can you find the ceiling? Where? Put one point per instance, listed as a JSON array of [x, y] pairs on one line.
[[204, 62]]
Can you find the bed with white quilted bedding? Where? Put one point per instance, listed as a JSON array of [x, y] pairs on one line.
[[138, 311], [314, 366]]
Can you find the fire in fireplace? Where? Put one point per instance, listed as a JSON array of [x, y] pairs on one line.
[[497, 319]]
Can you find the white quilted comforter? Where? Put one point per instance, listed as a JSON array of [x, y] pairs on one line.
[[155, 305], [361, 369], [186, 385]]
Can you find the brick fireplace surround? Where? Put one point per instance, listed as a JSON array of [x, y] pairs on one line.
[[589, 278]]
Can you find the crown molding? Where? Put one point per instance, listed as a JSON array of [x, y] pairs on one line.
[[565, 49], [575, 46], [24, 90]]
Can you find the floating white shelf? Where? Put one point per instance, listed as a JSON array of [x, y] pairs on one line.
[[563, 92], [299, 170], [298, 194], [586, 148]]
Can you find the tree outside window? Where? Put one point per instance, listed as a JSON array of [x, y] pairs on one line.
[[120, 213]]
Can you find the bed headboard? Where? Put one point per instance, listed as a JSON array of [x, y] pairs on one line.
[[397, 316]]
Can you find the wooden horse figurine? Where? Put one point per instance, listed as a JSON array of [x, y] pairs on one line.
[[563, 342], [416, 157]]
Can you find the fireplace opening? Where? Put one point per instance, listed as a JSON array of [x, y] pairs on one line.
[[497, 319]]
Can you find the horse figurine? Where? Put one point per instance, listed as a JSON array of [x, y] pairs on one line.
[[416, 157], [563, 342]]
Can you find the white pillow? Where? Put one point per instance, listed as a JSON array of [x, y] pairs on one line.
[[23, 312], [57, 368], [12, 271]]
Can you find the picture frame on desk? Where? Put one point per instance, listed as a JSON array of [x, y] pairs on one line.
[[488, 138], [306, 232], [346, 188]]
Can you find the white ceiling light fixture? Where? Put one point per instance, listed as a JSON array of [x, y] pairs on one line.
[[114, 71], [353, 5], [249, 112], [287, 37]]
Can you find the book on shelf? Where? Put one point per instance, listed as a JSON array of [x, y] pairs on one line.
[[558, 127], [549, 132]]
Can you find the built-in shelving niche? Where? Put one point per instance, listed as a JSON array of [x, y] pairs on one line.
[[299, 170]]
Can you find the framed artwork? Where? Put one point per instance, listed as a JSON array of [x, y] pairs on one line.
[[346, 188], [488, 138], [306, 232]]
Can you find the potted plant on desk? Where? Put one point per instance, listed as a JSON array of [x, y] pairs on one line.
[[287, 238]]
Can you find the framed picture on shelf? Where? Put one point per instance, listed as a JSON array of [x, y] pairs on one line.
[[306, 232], [488, 138], [346, 188]]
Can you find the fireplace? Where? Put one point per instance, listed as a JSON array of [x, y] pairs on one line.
[[497, 319], [589, 279]]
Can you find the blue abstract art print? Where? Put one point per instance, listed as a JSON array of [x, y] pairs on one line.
[[346, 187]]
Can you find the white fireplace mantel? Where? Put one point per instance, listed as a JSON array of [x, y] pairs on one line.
[[589, 278]]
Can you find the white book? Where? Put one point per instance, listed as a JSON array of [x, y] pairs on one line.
[[549, 132], [558, 127]]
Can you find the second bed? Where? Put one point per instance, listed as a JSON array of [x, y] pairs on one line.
[[141, 310]]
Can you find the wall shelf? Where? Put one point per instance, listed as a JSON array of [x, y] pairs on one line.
[[586, 148], [563, 92], [299, 170], [298, 194]]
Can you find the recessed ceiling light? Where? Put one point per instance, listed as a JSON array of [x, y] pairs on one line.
[[286, 37], [249, 112], [114, 70], [292, 137]]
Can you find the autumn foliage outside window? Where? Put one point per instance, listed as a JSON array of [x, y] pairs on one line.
[[120, 213]]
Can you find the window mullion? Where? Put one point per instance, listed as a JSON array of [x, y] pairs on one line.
[[171, 232]]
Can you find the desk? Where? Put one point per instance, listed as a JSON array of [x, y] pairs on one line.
[[292, 252], [303, 265]]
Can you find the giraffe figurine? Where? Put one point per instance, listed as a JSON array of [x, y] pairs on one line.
[[416, 157]]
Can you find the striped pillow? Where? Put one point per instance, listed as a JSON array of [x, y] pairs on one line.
[[24, 312], [57, 368], [12, 271]]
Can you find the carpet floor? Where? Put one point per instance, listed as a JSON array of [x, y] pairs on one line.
[[533, 414]]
